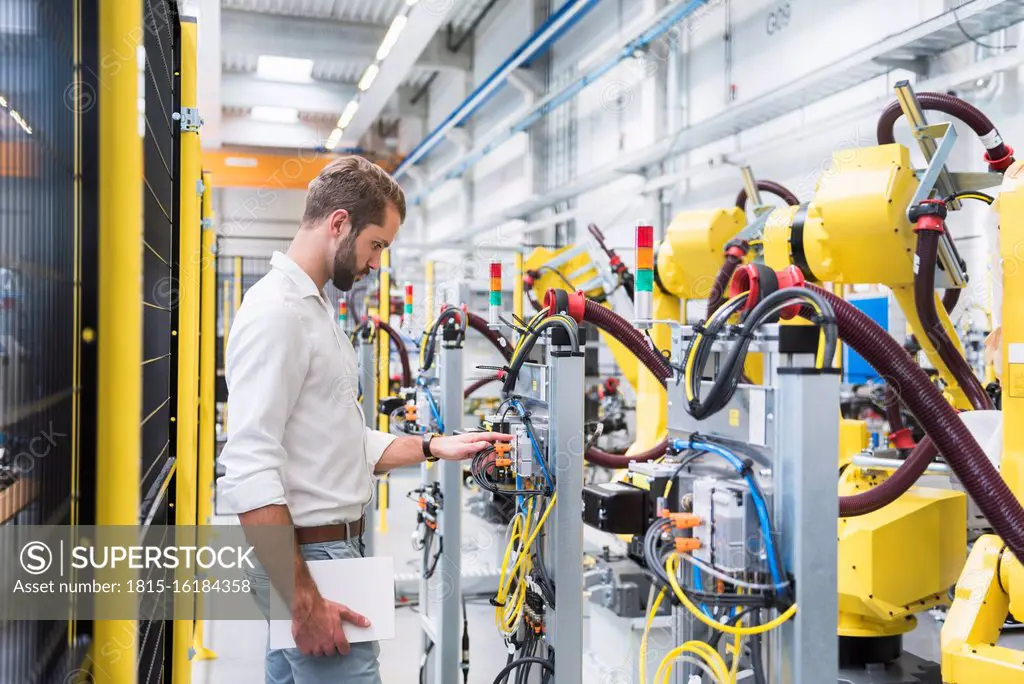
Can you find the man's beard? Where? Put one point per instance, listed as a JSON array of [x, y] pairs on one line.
[[345, 270]]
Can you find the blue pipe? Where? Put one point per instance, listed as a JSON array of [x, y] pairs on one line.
[[530, 47], [574, 89]]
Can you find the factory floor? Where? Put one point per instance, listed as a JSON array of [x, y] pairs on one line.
[[240, 646]]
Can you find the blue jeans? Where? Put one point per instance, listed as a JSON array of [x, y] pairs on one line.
[[288, 665]]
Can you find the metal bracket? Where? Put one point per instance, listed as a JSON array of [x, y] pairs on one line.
[[949, 267], [189, 118], [750, 184]]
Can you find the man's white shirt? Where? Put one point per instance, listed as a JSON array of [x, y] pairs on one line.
[[296, 431]]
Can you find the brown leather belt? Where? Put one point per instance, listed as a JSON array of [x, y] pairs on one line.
[[329, 533]]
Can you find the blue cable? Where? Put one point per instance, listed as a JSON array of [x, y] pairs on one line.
[[698, 580], [759, 503], [433, 405], [536, 447], [434, 410]]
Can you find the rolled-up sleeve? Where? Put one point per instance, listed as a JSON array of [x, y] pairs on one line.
[[376, 443], [265, 367]]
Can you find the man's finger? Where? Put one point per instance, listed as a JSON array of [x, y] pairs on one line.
[[341, 641], [488, 436], [350, 616]]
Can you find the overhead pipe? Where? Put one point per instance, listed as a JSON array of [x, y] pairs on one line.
[[669, 17], [534, 46]]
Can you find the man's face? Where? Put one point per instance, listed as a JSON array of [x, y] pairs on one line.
[[357, 255]]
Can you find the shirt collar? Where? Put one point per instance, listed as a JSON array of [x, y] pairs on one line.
[[307, 288]]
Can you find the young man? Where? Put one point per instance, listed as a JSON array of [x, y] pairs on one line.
[[299, 452]]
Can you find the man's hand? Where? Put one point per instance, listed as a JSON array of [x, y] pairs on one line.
[[317, 627], [468, 445]]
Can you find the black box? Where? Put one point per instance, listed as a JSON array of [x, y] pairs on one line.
[[616, 507]]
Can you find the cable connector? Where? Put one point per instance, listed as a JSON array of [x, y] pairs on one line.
[[686, 544], [685, 521]]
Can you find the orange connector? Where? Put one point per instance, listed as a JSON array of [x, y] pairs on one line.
[[503, 462], [687, 544], [502, 448], [684, 521]]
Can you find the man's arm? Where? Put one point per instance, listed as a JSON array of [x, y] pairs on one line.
[[316, 622], [405, 451]]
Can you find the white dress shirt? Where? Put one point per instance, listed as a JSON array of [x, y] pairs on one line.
[[296, 432]]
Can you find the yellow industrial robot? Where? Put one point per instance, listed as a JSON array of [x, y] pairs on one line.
[[875, 220], [686, 263], [991, 585]]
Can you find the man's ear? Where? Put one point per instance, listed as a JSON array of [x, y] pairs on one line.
[[340, 225]]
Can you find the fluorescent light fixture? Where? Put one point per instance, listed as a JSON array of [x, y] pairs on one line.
[[333, 139], [368, 76], [391, 37], [275, 114], [289, 69], [346, 116]]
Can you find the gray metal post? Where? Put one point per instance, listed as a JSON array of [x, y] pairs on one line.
[[368, 383], [566, 441], [446, 589], [806, 648]]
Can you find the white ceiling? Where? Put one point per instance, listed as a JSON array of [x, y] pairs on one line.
[[341, 38]]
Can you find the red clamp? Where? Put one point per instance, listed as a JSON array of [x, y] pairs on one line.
[[902, 438], [1002, 163], [929, 214], [760, 281], [573, 303]]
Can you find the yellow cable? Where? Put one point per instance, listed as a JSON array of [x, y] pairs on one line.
[[652, 610], [715, 663], [672, 567]]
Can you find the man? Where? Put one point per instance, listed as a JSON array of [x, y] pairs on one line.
[[299, 452]]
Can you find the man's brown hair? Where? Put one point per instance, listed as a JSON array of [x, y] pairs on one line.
[[357, 185]]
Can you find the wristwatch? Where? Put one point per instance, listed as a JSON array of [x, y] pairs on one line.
[[427, 436]]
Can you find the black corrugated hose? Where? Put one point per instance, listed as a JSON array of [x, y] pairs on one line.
[[403, 353], [998, 154], [772, 188], [939, 420], [924, 300]]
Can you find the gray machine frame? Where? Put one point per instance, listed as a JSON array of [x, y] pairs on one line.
[[792, 422]]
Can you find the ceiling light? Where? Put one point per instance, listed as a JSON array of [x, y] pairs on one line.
[[287, 69], [367, 80], [391, 37], [275, 114], [346, 116], [333, 139]]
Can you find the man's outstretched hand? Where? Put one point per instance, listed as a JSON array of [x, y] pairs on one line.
[[468, 445]]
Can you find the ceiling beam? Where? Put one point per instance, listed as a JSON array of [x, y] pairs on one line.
[[320, 40], [324, 97]]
